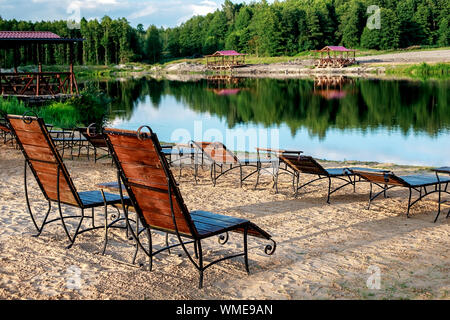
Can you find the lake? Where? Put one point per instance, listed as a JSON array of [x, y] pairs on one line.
[[334, 118]]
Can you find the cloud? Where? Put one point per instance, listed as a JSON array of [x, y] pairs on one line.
[[201, 9], [204, 7], [147, 11], [169, 12]]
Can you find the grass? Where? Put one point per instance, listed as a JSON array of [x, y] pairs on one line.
[[89, 108], [421, 71]]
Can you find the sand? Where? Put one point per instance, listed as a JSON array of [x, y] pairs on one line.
[[325, 251]]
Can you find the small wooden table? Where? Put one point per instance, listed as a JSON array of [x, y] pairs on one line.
[[442, 170]]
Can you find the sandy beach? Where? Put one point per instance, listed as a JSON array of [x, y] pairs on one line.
[[324, 251]]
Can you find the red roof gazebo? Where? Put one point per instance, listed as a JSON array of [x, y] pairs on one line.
[[36, 83], [335, 57], [225, 59]]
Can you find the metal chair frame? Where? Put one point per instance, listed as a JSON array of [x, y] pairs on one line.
[[62, 171], [172, 190], [391, 180]]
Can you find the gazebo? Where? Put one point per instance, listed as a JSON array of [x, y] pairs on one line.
[[36, 84], [226, 59], [335, 57]]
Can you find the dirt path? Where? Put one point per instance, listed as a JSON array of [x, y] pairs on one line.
[[407, 57]]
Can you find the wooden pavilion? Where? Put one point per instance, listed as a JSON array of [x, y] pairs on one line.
[[38, 84], [227, 59], [335, 57]]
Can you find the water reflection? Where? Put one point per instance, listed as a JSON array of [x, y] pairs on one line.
[[333, 87], [421, 107], [380, 117]]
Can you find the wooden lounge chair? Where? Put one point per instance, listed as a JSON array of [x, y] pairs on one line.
[[418, 182], [308, 165], [66, 139], [154, 194], [222, 158], [95, 140], [46, 164]]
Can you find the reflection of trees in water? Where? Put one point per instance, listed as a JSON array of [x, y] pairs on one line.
[[421, 106]]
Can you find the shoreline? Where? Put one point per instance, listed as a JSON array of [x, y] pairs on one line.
[[377, 66]]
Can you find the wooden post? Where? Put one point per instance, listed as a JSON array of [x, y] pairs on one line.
[[15, 58], [38, 78], [71, 67]]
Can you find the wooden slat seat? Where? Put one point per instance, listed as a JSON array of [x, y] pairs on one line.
[[347, 171], [94, 198], [422, 180], [146, 176]]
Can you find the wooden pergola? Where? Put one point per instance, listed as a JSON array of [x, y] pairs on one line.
[[335, 57], [40, 83], [226, 59]]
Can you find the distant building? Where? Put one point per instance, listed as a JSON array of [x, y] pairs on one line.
[[335, 57], [227, 59], [38, 84]]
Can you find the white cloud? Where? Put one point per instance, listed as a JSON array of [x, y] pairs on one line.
[[147, 11], [201, 9], [204, 7]]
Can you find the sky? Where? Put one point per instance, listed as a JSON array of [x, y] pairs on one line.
[[162, 13]]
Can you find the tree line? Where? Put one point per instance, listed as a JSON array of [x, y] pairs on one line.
[[291, 26], [281, 28], [108, 41]]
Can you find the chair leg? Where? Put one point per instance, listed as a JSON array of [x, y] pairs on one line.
[[370, 196], [150, 248], [200, 264], [106, 230], [76, 231], [258, 173], [240, 171], [246, 250], [409, 202], [439, 204], [195, 250], [93, 218], [137, 244], [329, 190], [167, 242]]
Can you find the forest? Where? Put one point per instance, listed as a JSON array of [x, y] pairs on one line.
[[258, 28]]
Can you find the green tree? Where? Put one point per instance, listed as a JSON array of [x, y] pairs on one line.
[[153, 45]]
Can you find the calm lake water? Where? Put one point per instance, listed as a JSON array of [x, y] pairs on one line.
[[398, 121]]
